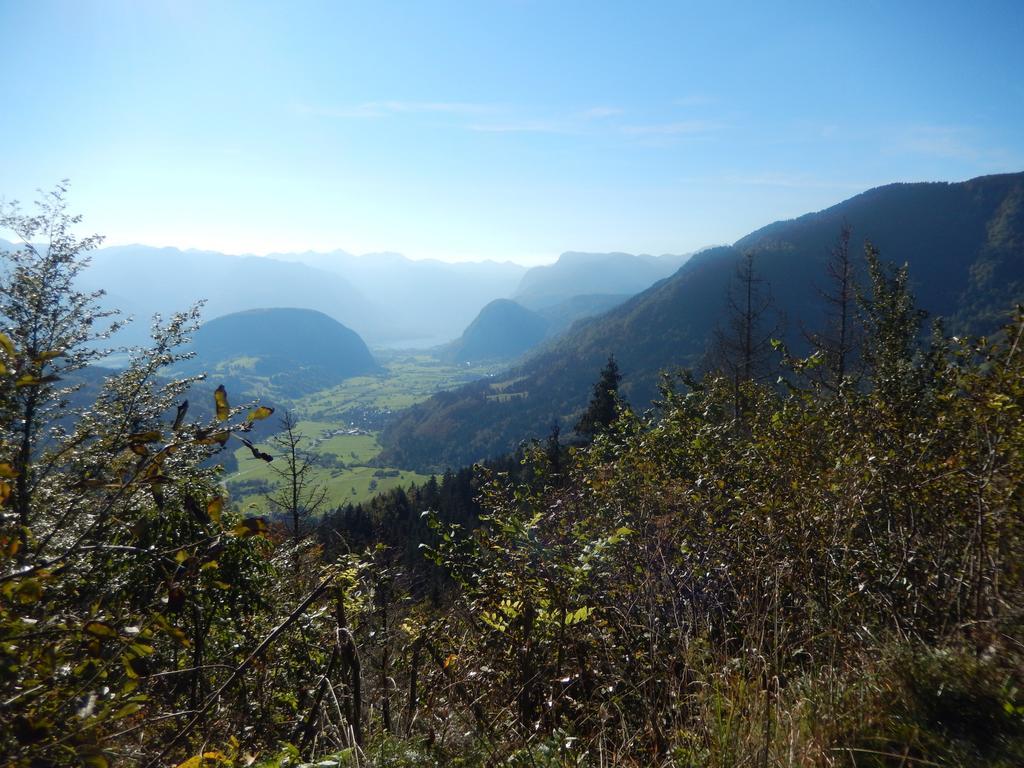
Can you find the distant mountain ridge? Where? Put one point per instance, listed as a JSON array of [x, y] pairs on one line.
[[964, 243], [388, 299], [429, 301], [577, 273], [141, 281]]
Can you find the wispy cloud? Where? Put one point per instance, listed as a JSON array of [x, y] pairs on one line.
[[694, 100], [777, 179], [377, 109], [791, 181], [678, 128], [523, 126], [945, 141], [599, 112]]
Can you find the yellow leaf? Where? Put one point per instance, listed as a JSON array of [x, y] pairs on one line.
[[210, 438], [149, 436], [6, 470], [30, 591], [100, 629], [220, 398], [3, 368], [452, 658], [5, 491], [7, 344], [214, 508], [44, 357], [171, 630], [93, 760], [251, 526], [205, 759], [28, 380], [256, 414]]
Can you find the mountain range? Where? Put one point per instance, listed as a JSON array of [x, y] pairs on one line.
[[388, 299], [963, 242], [582, 274]]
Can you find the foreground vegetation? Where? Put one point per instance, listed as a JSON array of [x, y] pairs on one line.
[[824, 571]]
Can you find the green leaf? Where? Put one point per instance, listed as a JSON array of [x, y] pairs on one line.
[[580, 614], [128, 709]]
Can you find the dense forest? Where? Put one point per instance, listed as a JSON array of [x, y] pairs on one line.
[[800, 556]]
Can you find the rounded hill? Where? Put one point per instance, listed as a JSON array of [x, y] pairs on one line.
[[290, 344], [503, 330]]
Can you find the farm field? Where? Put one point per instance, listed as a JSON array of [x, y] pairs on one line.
[[339, 428]]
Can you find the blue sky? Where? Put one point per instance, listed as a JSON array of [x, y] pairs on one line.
[[506, 130]]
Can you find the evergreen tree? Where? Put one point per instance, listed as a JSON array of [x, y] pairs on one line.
[[837, 342], [892, 329], [742, 350], [604, 403]]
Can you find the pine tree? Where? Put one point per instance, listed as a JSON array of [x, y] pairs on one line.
[[742, 350], [604, 403], [838, 341]]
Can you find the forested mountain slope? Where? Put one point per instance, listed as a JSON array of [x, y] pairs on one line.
[[964, 243], [293, 350], [503, 330]]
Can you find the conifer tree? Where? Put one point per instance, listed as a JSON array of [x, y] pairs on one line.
[[604, 403], [837, 342], [742, 350]]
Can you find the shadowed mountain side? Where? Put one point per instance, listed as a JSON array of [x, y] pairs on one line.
[[964, 243], [505, 329], [561, 316], [502, 331], [294, 351]]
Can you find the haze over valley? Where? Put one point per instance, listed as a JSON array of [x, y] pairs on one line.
[[511, 384]]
